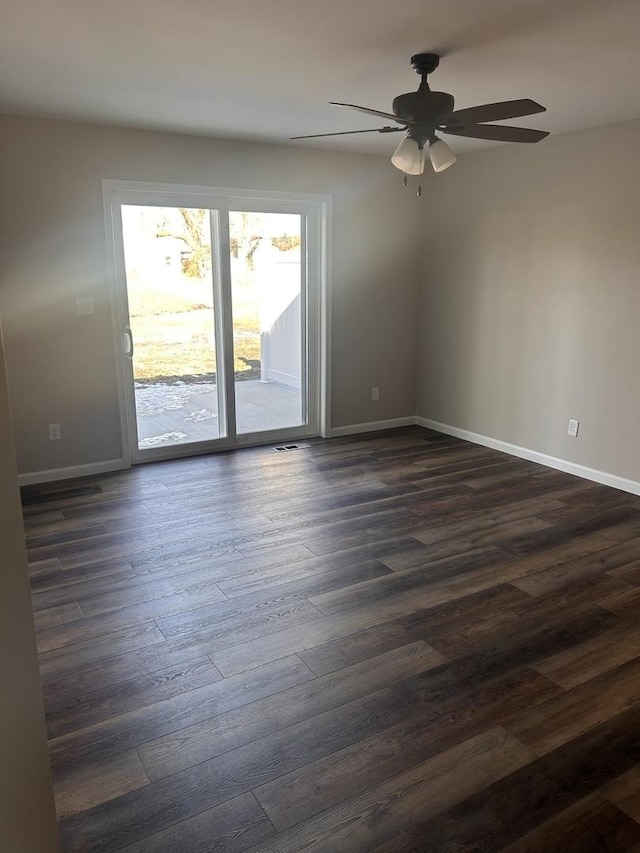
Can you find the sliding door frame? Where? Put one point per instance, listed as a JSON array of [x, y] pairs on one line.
[[316, 212]]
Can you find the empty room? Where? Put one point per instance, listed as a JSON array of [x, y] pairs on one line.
[[319, 468]]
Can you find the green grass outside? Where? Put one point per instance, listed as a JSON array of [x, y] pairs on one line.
[[173, 331]]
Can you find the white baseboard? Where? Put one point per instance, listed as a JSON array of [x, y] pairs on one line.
[[34, 478], [604, 478], [583, 471], [372, 426]]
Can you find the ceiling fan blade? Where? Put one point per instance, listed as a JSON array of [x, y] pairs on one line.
[[497, 132], [347, 132], [403, 121], [494, 112]]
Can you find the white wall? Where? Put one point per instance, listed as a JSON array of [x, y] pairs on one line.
[[52, 248], [531, 297], [27, 816]]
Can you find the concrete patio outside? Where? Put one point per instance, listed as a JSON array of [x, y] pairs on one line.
[[184, 412]]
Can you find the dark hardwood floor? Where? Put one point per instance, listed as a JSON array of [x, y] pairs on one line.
[[394, 642]]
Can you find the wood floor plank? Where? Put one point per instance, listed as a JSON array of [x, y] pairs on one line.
[[625, 602], [219, 733], [455, 471], [118, 699], [42, 518], [52, 576], [244, 656], [501, 533], [374, 528], [408, 579], [586, 494], [231, 827], [341, 624], [397, 641], [499, 658], [127, 819], [590, 826], [107, 576], [624, 792], [149, 722], [422, 555], [59, 661], [89, 676], [94, 605], [426, 789], [559, 575], [401, 843], [593, 657], [320, 508], [79, 789], [482, 521], [127, 513], [225, 618], [347, 569], [565, 717], [37, 567], [513, 806], [61, 614], [61, 492], [258, 624], [629, 572], [61, 532], [193, 545], [434, 727], [523, 615], [432, 623], [503, 496], [513, 570], [615, 524]]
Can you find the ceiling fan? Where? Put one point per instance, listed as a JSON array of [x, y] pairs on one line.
[[423, 114]]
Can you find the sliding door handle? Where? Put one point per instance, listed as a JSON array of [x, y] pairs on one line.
[[127, 339]]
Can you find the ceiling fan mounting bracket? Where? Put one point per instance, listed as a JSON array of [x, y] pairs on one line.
[[425, 63]]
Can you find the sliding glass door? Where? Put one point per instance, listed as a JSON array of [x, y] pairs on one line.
[[171, 335], [218, 319], [269, 329]]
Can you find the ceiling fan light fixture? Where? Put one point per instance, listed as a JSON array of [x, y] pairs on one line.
[[419, 114], [409, 157], [441, 155]]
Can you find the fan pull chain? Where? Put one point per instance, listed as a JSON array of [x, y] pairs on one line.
[[405, 182]]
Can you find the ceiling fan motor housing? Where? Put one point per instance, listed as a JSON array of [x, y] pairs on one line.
[[423, 107]]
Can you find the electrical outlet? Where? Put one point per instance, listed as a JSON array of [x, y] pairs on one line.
[[574, 426], [54, 432], [375, 393], [85, 305]]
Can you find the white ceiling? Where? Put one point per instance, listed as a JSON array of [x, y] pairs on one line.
[[266, 69]]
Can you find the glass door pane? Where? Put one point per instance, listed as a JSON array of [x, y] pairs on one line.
[[269, 320], [167, 253]]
